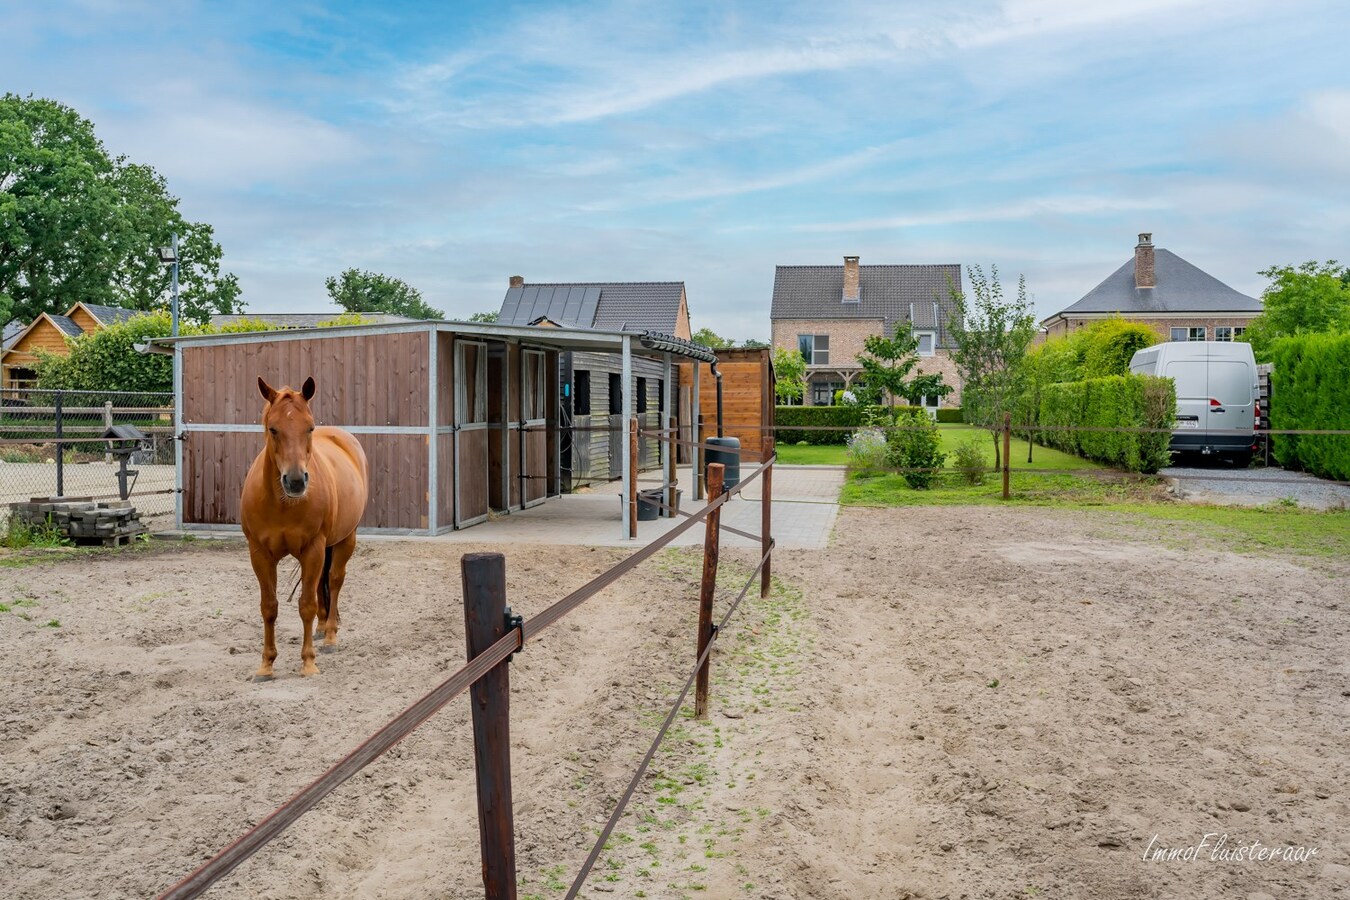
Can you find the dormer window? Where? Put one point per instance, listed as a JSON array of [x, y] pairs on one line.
[[927, 342]]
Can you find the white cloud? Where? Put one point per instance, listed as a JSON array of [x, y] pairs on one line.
[[1067, 206]]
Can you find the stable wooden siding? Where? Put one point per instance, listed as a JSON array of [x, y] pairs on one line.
[[747, 397], [44, 336], [368, 380], [605, 462], [81, 317], [215, 464]]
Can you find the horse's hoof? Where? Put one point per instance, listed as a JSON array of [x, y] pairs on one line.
[[305, 673], [328, 648], [259, 679]]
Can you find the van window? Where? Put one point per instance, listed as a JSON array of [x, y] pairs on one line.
[[1231, 382], [1190, 377]]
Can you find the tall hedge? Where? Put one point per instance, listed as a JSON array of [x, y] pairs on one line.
[[1117, 401], [846, 419], [1309, 387]]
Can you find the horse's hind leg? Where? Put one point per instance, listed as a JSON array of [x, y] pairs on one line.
[[339, 553], [266, 569]]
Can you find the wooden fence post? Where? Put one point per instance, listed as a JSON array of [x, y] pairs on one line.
[[1007, 450], [484, 578], [708, 586], [766, 522], [632, 477]]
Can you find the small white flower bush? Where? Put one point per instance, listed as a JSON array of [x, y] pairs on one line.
[[867, 449]]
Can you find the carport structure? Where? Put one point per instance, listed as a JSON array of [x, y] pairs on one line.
[[457, 419]]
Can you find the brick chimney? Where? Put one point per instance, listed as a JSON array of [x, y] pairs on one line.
[[851, 279], [1144, 276], [517, 281]]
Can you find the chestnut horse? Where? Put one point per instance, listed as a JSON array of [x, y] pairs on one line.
[[303, 497]]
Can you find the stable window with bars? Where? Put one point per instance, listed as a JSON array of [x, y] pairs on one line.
[[581, 392]]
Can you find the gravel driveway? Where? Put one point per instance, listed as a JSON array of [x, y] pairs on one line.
[[1253, 487]]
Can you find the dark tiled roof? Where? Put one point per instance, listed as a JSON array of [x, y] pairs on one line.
[[67, 325], [609, 306], [893, 293], [1181, 288], [10, 333], [111, 315]]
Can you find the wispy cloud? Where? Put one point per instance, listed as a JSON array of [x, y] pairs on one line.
[[1017, 211]]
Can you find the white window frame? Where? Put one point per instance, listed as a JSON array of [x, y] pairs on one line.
[[1204, 333], [932, 346], [1223, 333], [1179, 337], [816, 351]]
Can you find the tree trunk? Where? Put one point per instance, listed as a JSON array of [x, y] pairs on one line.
[[1030, 444], [998, 457]]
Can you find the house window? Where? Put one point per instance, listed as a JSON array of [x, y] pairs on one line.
[[815, 348], [1178, 334], [927, 340], [642, 395], [1188, 334], [1197, 334], [615, 394], [1223, 333], [1238, 331], [581, 393], [822, 392], [931, 402]]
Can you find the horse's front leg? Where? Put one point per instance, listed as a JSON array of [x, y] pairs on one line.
[[265, 567], [311, 570]]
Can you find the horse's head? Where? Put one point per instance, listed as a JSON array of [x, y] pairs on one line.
[[290, 433]]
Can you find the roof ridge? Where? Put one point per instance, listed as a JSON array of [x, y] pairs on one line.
[[590, 283]]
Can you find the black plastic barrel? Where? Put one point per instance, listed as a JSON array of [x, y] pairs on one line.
[[727, 451], [649, 505]]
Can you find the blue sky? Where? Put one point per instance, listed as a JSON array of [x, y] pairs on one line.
[[454, 145]]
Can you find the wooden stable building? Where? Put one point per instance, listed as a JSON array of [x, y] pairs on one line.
[[457, 419]]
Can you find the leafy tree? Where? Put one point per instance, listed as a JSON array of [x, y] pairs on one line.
[[754, 344], [107, 359], [1308, 299], [79, 225], [886, 364], [486, 316], [789, 371], [992, 335], [359, 291], [708, 338]]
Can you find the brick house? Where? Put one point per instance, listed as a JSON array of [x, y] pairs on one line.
[[827, 312], [48, 332], [1178, 300]]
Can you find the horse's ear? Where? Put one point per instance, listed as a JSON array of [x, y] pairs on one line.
[[308, 390], [268, 392]]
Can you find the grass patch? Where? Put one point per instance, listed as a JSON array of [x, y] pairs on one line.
[[1028, 489], [812, 454], [953, 436], [21, 535], [1246, 529]]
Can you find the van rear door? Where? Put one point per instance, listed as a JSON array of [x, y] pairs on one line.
[[1232, 395], [1191, 377]]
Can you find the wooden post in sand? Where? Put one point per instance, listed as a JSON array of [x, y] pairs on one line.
[[716, 477]]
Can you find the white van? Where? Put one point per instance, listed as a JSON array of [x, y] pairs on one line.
[[1217, 395]]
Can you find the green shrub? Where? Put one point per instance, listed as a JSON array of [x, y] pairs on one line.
[[915, 445], [1309, 387], [844, 419], [949, 415], [970, 461], [1117, 401]]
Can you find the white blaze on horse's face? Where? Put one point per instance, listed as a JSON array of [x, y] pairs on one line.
[[290, 434]]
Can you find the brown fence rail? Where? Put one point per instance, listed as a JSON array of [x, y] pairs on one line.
[[490, 645]]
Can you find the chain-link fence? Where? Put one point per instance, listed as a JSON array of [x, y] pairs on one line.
[[55, 444]]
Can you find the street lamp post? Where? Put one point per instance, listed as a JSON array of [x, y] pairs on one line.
[[170, 255]]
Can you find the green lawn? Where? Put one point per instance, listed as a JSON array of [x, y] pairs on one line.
[[953, 436]]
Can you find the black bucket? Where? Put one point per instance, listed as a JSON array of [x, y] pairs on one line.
[[729, 456], [649, 505]]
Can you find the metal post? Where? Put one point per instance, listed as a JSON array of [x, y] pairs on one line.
[[694, 420], [485, 621], [631, 509], [698, 459], [672, 425], [60, 449], [766, 520], [174, 330], [1007, 450], [629, 463], [707, 587], [667, 448]]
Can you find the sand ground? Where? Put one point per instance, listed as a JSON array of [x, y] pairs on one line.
[[945, 703]]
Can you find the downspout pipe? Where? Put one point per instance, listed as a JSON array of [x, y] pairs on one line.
[[718, 376]]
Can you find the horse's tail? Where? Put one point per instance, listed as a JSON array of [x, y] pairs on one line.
[[325, 597]]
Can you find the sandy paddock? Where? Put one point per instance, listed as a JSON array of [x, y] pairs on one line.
[[945, 703]]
